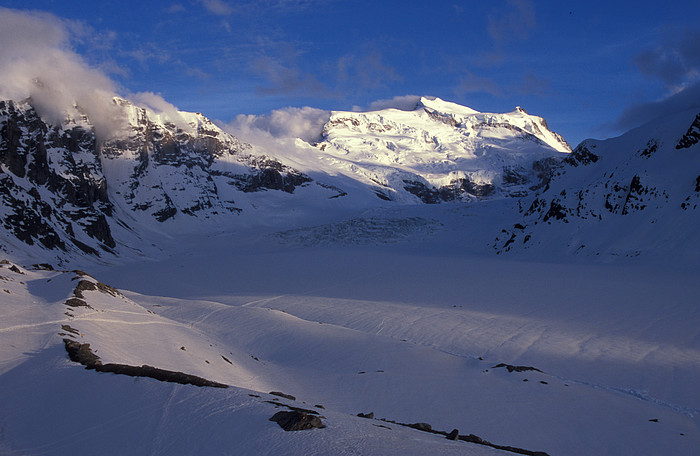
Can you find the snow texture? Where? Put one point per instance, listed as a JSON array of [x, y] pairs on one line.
[[325, 273]]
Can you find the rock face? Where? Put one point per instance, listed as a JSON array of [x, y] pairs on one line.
[[52, 188], [297, 421], [638, 192], [193, 168], [62, 188], [692, 136]]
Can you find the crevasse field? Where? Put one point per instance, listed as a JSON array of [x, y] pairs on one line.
[[402, 312]]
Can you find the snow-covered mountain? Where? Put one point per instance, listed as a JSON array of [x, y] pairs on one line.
[[637, 193], [66, 190], [255, 289], [441, 151]]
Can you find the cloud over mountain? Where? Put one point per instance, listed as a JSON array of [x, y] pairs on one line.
[[675, 62], [305, 123], [36, 60]]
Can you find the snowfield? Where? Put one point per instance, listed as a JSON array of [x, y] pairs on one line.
[[408, 276], [410, 329]]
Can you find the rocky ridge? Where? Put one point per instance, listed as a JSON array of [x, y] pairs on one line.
[[63, 189], [638, 192]]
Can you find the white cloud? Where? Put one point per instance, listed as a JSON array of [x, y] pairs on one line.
[[176, 8], [157, 105], [218, 7], [283, 76], [402, 102], [366, 70], [675, 61], [512, 23], [471, 83], [36, 61], [638, 114], [281, 132], [304, 123]]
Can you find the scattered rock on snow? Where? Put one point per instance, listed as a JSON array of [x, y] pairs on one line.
[[425, 427], [69, 329], [87, 285], [471, 438], [512, 368], [286, 396], [83, 285], [76, 302], [297, 421], [81, 353], [293, 408]]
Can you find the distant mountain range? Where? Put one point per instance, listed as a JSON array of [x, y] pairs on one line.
[[66, 191]]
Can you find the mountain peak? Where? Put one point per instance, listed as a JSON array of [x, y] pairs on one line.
[[440, 105]]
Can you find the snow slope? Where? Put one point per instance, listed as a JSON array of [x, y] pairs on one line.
[[439, 151], [393, 328], [633, 195], [54, 406]]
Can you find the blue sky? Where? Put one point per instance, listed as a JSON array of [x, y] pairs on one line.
[[592, 69]]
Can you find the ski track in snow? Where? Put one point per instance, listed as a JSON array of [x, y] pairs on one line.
[[641, 395], [86, 432], [161, 431], [264, 300], [89, 318], [33, 325]]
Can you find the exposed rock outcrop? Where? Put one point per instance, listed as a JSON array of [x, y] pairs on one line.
[[297, 421], [81, 353]]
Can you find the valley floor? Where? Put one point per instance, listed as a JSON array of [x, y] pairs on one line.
[[397, 314]]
